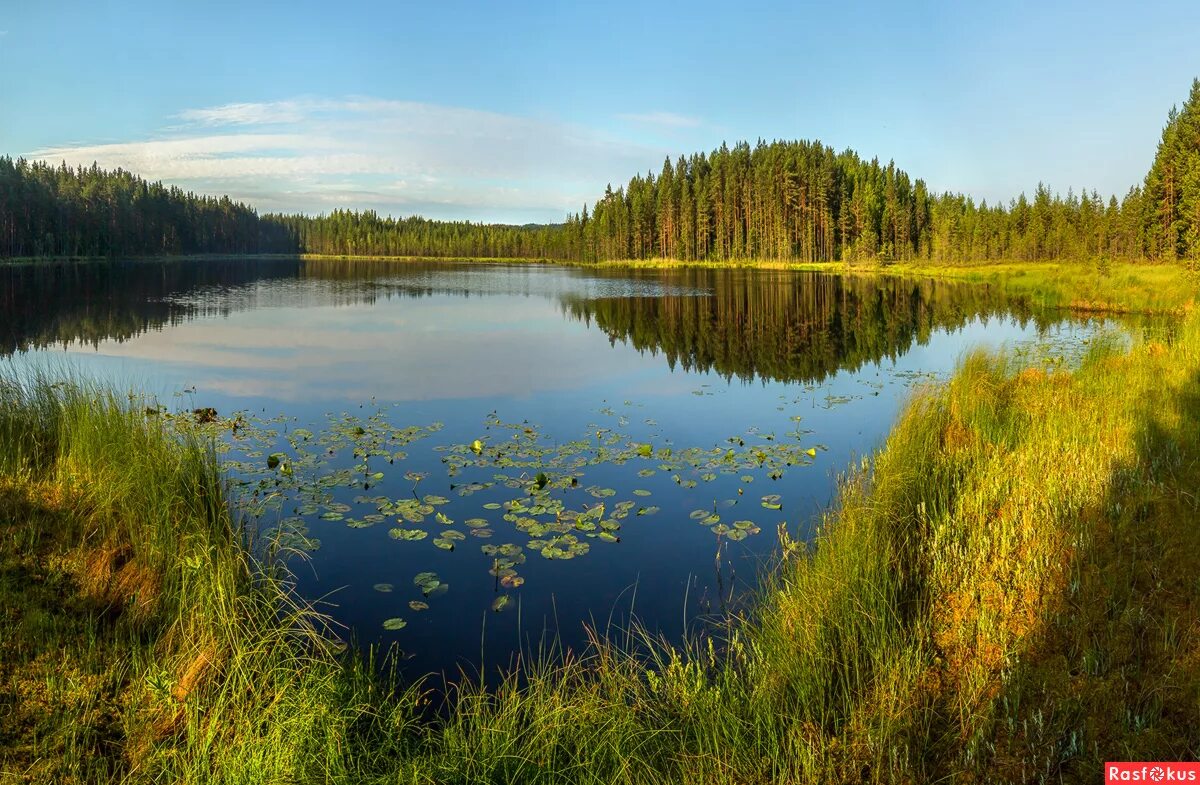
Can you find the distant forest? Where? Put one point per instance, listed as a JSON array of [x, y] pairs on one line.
[[786, 200]]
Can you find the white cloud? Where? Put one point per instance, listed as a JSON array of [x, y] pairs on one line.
[[663, 119], [313, 154], [246, 114]]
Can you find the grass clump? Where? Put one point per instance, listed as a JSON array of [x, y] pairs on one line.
[[1103, 287], [1006, 592], [141, 641]]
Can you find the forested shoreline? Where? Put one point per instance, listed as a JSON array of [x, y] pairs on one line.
[[784, 200]]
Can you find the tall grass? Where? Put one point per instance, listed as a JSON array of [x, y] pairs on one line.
[[204, 666], [1095, 287], [1006, 592]]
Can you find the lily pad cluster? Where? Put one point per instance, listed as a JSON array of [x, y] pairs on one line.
[[535, 496]]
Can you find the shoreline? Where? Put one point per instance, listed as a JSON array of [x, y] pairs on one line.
[[1122, 288]]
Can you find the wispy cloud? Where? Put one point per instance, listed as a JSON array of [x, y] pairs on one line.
[[663, 119], [249, 114], [311, 154]]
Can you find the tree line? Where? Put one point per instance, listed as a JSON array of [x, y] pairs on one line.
[[804, 201], [50, 210], [366, 233], [788, 200]]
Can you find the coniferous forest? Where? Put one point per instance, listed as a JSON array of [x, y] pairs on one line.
[[786, 200]]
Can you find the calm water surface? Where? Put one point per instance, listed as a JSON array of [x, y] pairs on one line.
[[413, 400]]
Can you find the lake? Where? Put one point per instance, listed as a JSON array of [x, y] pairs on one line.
[[469, 461]]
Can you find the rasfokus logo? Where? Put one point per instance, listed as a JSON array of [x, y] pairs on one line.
[[1158, 771]]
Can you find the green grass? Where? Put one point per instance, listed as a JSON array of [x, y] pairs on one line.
[[1006, 592], [141, 640], [1118, 287]]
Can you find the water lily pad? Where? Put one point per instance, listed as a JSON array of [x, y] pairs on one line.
[[383, 587], [395, 623], [407, 534], [418, 605]]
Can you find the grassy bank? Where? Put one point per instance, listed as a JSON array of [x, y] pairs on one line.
[[1115, 288], [139, 640], [1007, 592], [1119, 287]]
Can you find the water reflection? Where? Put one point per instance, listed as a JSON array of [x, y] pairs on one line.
[[782, 326], [578, 356], [798, 326]]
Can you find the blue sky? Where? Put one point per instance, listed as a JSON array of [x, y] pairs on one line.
[[522, 111]]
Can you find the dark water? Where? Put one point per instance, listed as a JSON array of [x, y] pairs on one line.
[[687, 386]]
